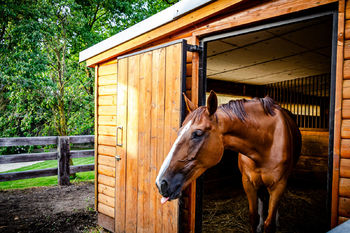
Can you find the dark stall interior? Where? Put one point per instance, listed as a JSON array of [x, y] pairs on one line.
[[292, 65]]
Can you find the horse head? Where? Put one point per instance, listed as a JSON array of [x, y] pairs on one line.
[[198, 147]]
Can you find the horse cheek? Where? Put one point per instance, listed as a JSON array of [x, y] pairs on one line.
[[214, 151]]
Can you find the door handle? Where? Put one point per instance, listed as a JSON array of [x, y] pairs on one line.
[[120, 129]]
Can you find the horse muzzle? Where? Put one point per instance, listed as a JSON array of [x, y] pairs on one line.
[[171, 187]]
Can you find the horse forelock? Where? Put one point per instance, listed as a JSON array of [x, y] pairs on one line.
[[195, 115]]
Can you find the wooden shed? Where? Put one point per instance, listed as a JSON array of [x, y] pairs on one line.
[[296, 51]]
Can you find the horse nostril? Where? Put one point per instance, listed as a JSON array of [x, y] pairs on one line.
[[164, 186]]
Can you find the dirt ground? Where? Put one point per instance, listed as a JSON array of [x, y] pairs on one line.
[[49, 209], [70, 209]]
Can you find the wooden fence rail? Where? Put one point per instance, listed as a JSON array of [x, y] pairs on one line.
[[62, 155]]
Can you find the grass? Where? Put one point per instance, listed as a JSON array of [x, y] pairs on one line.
[[49, 180]]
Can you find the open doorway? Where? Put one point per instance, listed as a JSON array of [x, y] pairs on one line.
[[291, 64]]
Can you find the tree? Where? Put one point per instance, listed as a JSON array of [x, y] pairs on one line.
[[43, 88]]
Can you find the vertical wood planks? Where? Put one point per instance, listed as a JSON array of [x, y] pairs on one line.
[[172, 119], [122, 94], [96, 135], [157, 134], [338, 114], [149, 109], [132, 145], [144, 181]]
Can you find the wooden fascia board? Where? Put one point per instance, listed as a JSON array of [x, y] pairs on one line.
[[263, 11], [165, 30]]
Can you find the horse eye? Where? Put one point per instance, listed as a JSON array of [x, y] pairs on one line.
[[197, 134]]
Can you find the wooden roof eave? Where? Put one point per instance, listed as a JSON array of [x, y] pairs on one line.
[[194, 17]]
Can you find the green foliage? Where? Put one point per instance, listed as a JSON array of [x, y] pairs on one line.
[[43, 88]]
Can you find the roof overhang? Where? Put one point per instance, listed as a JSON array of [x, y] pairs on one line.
[[169, 14]]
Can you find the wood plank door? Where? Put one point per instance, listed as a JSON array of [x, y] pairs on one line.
[[149, 113]]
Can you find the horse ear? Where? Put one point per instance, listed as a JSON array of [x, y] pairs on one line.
[[212, 103], [190, 106]]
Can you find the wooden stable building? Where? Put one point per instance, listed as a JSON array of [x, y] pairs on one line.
[[295, 51]]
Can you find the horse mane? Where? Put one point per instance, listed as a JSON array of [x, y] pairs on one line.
[[236, 107]]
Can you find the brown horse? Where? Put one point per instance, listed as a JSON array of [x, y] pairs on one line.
[[266, 137]]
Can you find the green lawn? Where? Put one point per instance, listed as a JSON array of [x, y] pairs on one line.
[[49, 180]]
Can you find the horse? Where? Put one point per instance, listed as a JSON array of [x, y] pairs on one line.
[[264, 134]]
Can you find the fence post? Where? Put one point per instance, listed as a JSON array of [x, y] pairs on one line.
[[63, 160]]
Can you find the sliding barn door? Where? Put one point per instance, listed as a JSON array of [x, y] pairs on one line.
[[149, 107]]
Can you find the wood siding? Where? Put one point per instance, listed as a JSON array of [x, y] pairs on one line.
[[340, 196], [149, 107], [105, 126]]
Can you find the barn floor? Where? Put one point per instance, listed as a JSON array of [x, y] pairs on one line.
[[302, 210], [49, 209]]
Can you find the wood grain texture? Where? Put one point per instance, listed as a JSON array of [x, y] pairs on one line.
[[81, 168], [107, 110], [346, 109], [107, 200], [28, 174], [106, 140], [346, 69], [172, 120], [27, 141], [105, 222], [344, 207], [107, 130], [106, 160], [106, 190], [120, 166], [345, 129], [82, 153], [107, 70], [107, 80], [17, 158], [345, 168], [347, 29], [107, 120], [106, 170], [108, 100], [191, 190], [345, 148], [107, 90], [106, 180], [144, 86], [107, 150], [132, 145], [96, 134], [347, 49], [144, 182], [157, 133], [338, 113], [346, 89], [344, 187], [256, 13], [105, 209]]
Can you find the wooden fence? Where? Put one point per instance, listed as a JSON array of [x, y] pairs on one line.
[[63, 155]]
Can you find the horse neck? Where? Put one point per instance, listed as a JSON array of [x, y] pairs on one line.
[[240, 136]]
